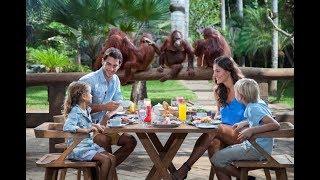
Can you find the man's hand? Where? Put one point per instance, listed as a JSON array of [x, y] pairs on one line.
[[91, 129], [111, 106], [245, 134], [99, 127]]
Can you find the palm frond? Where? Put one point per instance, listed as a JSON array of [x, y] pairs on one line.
[[148, 10], [256, 34]]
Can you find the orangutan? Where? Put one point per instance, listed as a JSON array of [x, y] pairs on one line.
[[212, 46], [172, 53]]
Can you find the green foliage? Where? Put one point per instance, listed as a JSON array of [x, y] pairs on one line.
[[73, 67], [255, 34], [83, 23], [147, 10], [203, 14], [51, 58], [287, 96]]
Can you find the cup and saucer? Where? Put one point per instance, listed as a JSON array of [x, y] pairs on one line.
[[116, 122]]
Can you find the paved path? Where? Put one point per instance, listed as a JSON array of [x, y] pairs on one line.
[[204, 92], [138, 164]]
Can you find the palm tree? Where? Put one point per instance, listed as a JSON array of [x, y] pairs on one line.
[[255, 35], [178, 16], [144, 12], [88, 19], [85, 18], [223, 15], [275, 46]]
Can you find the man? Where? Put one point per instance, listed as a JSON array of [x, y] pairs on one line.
[[106, 94]]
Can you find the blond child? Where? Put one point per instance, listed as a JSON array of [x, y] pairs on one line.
[[78, 119], [258, 119]]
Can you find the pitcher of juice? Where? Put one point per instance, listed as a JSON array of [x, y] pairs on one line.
[[182, 109]]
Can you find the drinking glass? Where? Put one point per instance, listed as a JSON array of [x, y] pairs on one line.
[[174, 102], [142, 115]]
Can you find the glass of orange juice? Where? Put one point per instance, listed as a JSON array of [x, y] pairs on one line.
[[182, 110]]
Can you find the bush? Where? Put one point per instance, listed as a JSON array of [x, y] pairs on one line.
[[72, 67], [51, 58]]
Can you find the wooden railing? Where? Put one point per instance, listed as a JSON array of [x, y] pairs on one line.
[[57, 83]]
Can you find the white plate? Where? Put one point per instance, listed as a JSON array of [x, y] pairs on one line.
[[121, 125], [121, 112], [206, 125], [216, 121]]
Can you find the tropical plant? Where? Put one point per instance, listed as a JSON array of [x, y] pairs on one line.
[[143, 12], [255, 35], [51, 58], [89, 20], [73, 67], [203, 14]]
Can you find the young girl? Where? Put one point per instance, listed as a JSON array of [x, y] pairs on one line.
[[259, 119], [77, 112]]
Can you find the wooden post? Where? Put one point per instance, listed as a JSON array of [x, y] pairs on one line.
[[263, 88], [56, 93]]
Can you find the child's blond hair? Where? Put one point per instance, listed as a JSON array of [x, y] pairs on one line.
[[248, 89]]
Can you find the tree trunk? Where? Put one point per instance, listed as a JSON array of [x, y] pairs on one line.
[[240, 8], [223, 15], [275, 39], [79, 57], [240, 12], [243, 61], [138, 91], [187, 4], [178, 19]]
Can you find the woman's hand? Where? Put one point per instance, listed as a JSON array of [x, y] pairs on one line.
[[238, 126], [245, 134]]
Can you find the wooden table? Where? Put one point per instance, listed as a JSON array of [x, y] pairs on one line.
[[160, 155]]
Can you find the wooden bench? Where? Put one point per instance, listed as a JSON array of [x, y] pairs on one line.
[[63, 146], [278, 163], [53, 162], [263, 88]]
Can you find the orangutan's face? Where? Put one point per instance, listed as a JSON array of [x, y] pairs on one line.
[[176, 38]]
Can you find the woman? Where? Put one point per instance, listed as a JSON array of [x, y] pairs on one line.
[[225, 74]]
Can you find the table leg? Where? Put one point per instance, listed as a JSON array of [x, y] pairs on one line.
[[154, 156], [172, 150], [162, 151]]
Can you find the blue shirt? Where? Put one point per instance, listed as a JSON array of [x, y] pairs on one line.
[[78, 118], [254, 113], [102, 90], [232, 113]]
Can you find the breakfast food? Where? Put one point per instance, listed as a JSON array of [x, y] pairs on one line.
[[206, 119], [168, 111]]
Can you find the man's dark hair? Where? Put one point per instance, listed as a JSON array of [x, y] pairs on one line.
[[113, 52]]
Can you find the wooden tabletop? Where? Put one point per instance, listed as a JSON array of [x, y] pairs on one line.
[[137, 128]]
